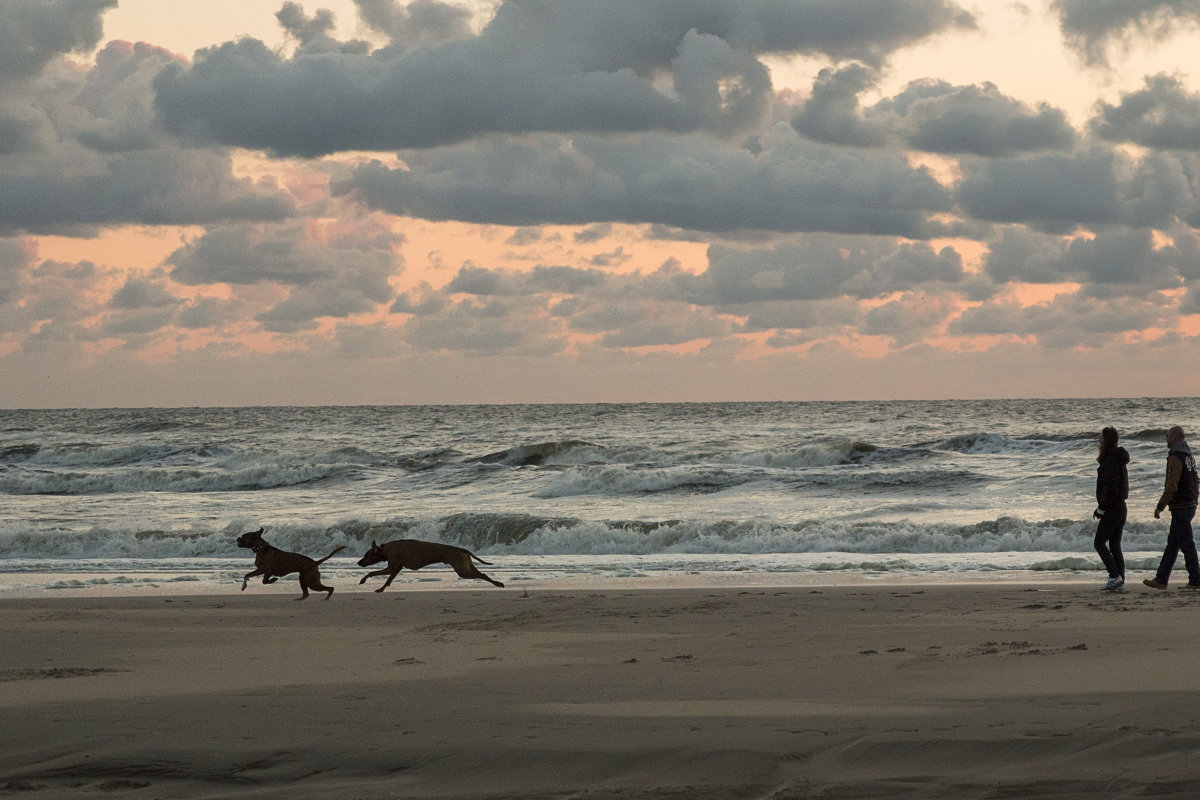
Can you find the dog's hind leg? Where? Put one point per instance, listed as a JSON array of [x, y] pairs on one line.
[[466, 569], [303, 588]]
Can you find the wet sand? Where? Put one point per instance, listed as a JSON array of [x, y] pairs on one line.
[[935, 691]]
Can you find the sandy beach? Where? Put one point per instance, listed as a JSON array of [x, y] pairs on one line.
[[1048, 690]]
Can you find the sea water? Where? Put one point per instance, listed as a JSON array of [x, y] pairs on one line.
[[134, 500]]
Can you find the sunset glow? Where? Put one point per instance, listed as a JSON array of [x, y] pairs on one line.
[[534, 201]]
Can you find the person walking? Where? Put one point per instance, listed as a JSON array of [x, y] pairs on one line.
[[1179, 494], [1112, 490]]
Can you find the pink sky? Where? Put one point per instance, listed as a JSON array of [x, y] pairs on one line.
[[229, 203]]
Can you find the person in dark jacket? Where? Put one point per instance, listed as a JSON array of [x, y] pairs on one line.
[[1179, 494], [1112, 490]]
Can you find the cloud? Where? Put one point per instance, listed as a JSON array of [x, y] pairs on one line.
[[832, 114], [35, 32], [664, 324], [1090, 26], [1098, 187], [910, 318], [1066, 322], [818, 268], [929, 115], [695, 183], [88, 153], [1163, 116], [418, 22], [937, 117], [814, 285], [139, 292], [328, 273], [53, 298], [1111, 258], [493, 327], [587, 66]]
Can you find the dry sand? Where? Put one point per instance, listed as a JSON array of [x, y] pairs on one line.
[[974, 691]]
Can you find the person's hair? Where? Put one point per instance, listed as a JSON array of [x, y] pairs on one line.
[[1108, 442]]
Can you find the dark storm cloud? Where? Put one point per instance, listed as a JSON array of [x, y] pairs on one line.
[[15, 257], [695, 183], [90, 153], [142, 292], [1096, 188], [34, 32], [1163, 116], [1111, 258], [929, 115], [539, 65], [832, 114], [1090, 26], [153, 188], [940, 118]]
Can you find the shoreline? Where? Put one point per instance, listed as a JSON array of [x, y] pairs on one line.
[[32, 578], [1043, 689]]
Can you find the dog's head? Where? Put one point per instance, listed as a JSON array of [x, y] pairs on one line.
[[249, 540], [373, 556]]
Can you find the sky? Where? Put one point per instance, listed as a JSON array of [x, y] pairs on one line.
[[243, 202]]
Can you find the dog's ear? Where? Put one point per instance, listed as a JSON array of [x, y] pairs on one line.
[[374, 546]]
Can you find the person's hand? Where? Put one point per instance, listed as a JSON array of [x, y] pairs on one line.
[[1157, 512], [1097, 513]]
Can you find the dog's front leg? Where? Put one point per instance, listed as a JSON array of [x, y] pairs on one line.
[[250, 575], [374, 574], [391, 577]]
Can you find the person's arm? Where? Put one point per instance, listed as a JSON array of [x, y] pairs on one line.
[[1174, 470], [1108, 488]]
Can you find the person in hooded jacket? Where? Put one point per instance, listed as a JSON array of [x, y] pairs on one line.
[[1179, 494], [1112, 490]]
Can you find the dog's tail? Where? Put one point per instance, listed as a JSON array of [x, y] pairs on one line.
[[335, 550], [477, 558]]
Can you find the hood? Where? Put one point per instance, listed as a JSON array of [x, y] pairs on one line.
[[1119, 454], [1181, 447]]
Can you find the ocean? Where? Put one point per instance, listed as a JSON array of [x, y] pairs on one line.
[[150, 500]]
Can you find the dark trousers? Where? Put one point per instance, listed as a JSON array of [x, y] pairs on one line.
[[1108, 541], [1180, 540]]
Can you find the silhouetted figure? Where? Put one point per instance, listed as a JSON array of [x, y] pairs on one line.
[[1112, 490], [1179, 494]]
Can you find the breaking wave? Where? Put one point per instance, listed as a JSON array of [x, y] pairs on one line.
[[518, 534]]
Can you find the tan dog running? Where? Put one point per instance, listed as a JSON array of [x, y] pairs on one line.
[[273, 563], [414, 554]]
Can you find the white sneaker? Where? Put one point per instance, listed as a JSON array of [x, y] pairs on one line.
[[1114, 583]]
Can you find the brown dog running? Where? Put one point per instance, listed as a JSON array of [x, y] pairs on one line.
[[414, 554], [273, 563]]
